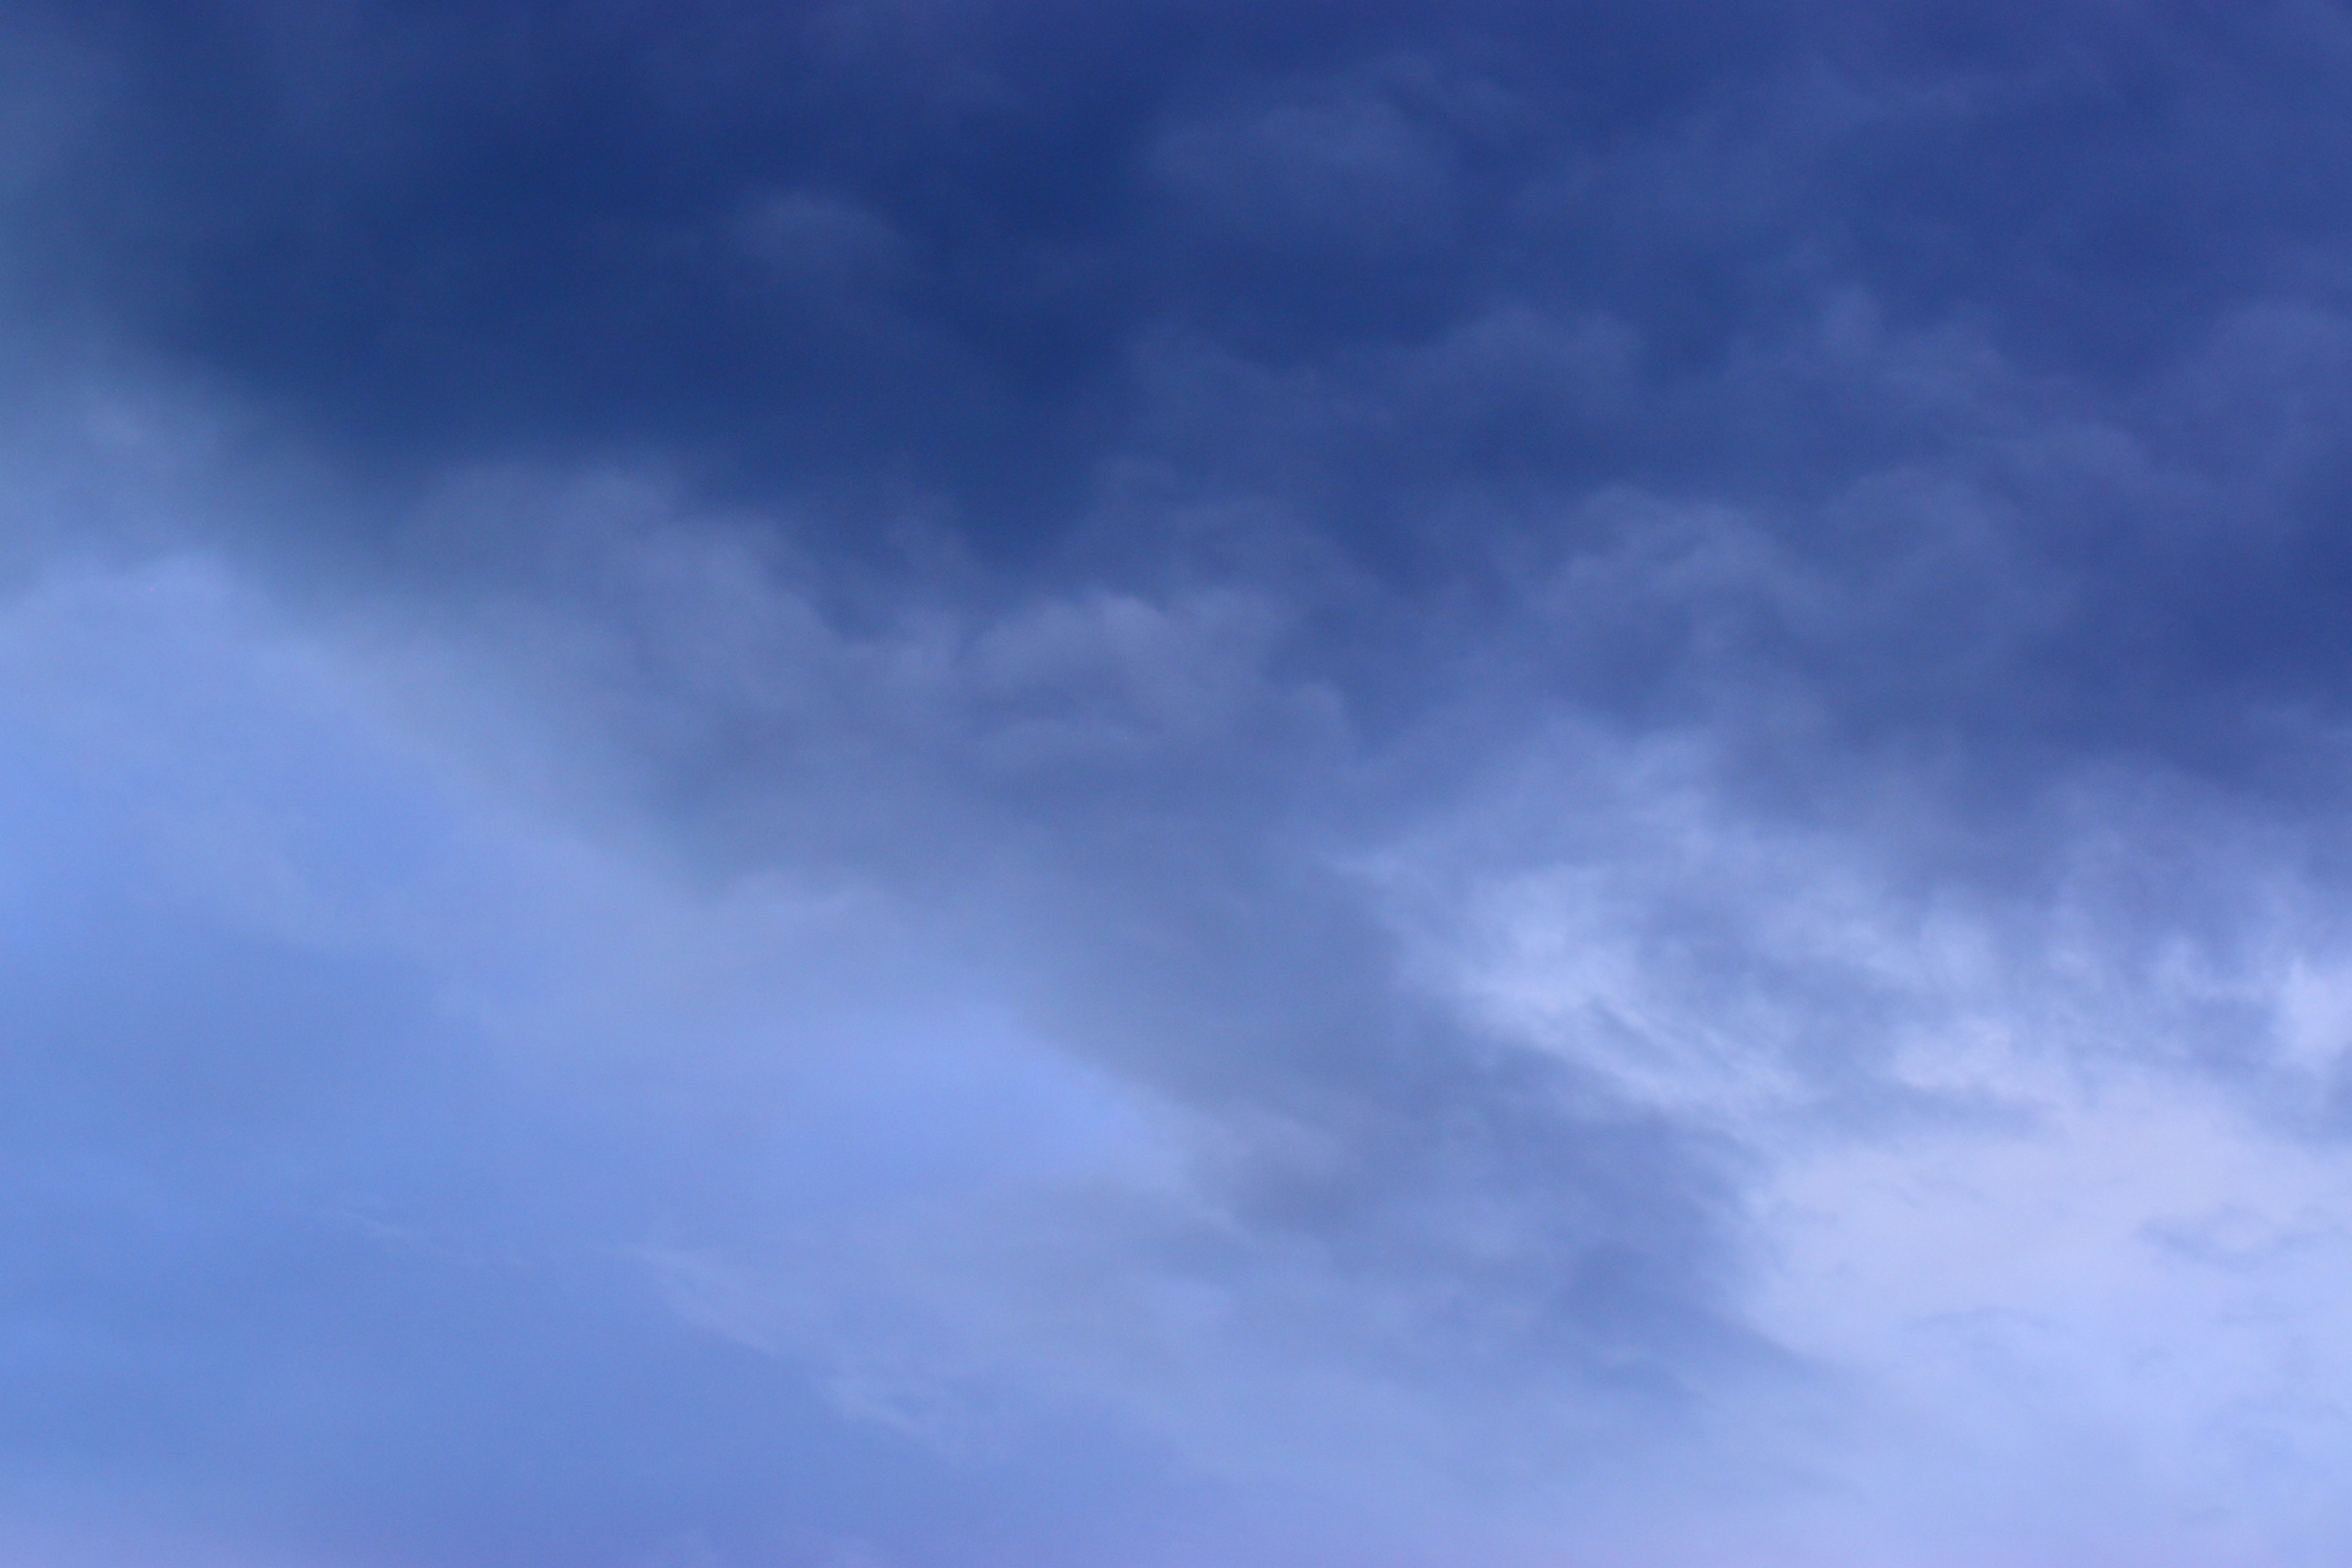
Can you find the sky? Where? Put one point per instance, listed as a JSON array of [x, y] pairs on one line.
[[1002, 783]]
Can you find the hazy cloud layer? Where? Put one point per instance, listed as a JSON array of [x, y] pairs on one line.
[[875, 785]]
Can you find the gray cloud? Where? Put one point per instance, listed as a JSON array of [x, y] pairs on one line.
[[907, 784]]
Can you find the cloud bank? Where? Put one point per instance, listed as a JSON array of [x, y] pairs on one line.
[[891, 786]]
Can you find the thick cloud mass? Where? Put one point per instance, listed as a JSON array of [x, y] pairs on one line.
[[899, 784]]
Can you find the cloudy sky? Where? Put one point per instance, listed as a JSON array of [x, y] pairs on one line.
[[1014, 783]]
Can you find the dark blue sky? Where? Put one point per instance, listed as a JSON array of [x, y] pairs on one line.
[[902, 785]]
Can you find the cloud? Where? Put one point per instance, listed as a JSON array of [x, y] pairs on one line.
[[929, 785]]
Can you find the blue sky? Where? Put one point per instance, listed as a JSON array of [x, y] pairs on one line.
[[905, 784]]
